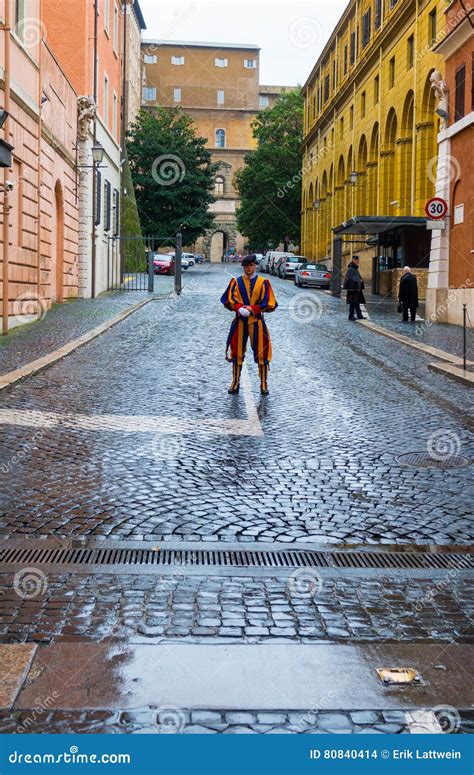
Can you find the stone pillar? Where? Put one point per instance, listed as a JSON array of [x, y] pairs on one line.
[[86, 111], [438, 277]]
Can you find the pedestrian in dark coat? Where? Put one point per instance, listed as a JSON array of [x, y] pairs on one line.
[[408, 294], [354, 285]]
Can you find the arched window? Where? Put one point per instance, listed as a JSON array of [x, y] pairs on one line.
[[220, 138], [219, 186]]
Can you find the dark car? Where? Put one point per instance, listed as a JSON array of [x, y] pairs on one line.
[[317, 275], [199, 259], [163, 264]]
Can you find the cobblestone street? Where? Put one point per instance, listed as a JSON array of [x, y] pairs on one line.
[[134, 439]]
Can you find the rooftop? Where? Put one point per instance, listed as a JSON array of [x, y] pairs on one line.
[[200, 44]]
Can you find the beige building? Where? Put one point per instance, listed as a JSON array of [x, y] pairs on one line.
[[217, 84], [134, 25]]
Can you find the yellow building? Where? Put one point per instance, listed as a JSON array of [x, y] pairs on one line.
[[217, 84], [370, 139]]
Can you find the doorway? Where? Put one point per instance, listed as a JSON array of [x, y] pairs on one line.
[[219, 246], [57, 255]]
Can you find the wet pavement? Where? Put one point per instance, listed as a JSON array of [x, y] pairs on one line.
[[134, 437]]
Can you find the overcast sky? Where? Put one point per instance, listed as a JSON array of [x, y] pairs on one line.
[[291, 33]]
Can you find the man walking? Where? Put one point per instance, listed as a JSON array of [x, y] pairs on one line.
[[408, 294], [354, 285], [249, 297]]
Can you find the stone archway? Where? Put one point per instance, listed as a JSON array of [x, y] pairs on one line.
[[220, 238]]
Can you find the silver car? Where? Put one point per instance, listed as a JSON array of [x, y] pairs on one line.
[[286, 266], [317, 275]]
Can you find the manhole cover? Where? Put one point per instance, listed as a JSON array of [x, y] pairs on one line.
[[423, 460]]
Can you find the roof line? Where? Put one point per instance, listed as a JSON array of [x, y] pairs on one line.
[[203, 44]]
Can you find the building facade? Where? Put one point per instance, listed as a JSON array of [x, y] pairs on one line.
[[134, 24], [370, 147], [217, 84], [92, 60], [39, 213], [451, 276]]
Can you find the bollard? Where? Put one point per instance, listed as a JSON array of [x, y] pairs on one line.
[[151, 272], [178, 272], [464, 334]]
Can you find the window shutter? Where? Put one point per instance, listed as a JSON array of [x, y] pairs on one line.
[[107, 206], [98, 197], [459, 94], [116, 213]]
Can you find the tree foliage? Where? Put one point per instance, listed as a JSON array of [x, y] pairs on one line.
[[270, 183], [173, 174]]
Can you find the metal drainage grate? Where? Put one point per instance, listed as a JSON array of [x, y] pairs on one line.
[[424, 460], [235, 558]]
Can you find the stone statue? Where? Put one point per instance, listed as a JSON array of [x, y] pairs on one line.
[[86, 111], [440, 88]]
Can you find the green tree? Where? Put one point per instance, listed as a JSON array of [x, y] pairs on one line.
[[270, 183], [173, 174]]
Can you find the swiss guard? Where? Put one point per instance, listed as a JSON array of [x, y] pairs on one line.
[[249, 297]]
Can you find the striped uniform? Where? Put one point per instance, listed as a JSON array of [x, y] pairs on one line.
[[258, 294]]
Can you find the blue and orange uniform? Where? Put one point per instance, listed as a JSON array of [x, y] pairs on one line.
[[249, 298]]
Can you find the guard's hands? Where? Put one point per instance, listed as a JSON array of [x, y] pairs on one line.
[[244, 312]]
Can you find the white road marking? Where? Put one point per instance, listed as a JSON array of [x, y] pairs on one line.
[[365, 311], [423, 722], [126, 423]]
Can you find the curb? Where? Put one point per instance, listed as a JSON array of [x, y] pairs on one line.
[[453, 372], [425, 348], [13, 377]]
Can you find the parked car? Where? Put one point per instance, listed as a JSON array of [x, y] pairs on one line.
[[187, 260], [287, 265], [199, 259], [317, 275], [272, 256], [163, 263], [259, 257], [263, 265]]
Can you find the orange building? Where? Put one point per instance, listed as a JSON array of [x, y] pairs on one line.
[[39, 216], [76, 29], [218, 85], [451, 276]]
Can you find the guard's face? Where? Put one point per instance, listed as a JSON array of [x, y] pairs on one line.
[[250, 269]]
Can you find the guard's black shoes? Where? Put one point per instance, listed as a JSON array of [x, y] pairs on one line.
[[233, 390]]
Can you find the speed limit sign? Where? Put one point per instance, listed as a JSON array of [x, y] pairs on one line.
[[436, 208]]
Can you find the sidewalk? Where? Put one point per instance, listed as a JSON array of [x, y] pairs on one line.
[[445, 337], [64, 323]]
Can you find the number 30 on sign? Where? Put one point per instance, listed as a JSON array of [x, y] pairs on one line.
[[436, 208]]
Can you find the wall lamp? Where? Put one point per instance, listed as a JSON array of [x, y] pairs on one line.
[[316, 204], [353, 178], [3, 116]]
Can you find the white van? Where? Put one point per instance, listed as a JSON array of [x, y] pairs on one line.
[[271, 257]]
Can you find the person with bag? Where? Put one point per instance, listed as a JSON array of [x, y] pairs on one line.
[[408, 295], [354, 285]]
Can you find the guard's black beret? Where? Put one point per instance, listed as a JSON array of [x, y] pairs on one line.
[[249, 260]]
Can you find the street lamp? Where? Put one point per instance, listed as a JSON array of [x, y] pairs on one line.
[[98, 152], [316, 204], [353, 178]]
